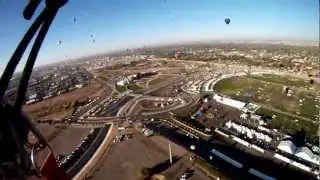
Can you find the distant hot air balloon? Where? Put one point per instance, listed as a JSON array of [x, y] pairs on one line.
[[74, 19], [59, 42], [227, 20]]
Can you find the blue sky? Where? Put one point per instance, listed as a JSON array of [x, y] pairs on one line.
[[118, 24]]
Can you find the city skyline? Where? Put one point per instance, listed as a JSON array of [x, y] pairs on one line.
[[86, 28]]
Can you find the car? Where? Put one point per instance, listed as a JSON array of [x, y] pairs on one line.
[[183, 177]]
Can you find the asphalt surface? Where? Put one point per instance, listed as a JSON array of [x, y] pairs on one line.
[[126, 159]]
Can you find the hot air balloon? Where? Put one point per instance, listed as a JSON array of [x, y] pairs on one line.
[[59, 42], [227, 20], [74, 19]]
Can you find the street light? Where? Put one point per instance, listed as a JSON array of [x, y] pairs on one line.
[[193, 147]]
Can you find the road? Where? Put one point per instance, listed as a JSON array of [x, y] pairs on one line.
[[96, 157], [129, 106]]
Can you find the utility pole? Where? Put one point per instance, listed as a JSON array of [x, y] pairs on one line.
[[170, 154]]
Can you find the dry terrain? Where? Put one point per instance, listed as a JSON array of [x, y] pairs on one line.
[[61, 106], [127, 158]]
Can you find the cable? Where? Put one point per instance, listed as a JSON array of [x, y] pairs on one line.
[[15, 58], [50, 14], [14, 123]]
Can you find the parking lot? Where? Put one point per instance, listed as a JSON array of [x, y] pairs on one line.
[[109, 107], [127, 158], [64, 142]]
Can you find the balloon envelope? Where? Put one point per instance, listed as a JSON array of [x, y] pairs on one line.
[[227, 21]]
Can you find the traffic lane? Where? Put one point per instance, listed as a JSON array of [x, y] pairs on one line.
[[204, 147]]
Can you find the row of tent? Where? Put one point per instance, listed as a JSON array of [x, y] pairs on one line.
[[250, 133], [301, 152]]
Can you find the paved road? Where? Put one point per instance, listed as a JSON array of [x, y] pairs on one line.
[[97, 155], [128, 106]]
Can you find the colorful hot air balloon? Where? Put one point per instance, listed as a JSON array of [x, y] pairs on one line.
[[227, 20]]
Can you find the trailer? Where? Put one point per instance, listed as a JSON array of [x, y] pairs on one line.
[[226, 158], [260, 174]]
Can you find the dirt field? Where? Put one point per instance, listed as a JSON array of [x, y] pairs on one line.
[[60, 106], [159, 79], [127, 158]]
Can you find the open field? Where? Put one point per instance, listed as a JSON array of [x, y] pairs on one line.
[[60, 106], [159, 79], [269, 94], [121, 88], [293, 112], [287, 123], [287, 80], [125, 160], [135, 88]]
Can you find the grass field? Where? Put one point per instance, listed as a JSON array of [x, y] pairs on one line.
[[121, 88], [292, 112], [134, 87], [287, 80], [287, 123]]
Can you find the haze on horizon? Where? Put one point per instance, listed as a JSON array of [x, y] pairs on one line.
[[119, 24]]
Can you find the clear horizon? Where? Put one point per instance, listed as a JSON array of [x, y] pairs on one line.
[[120, 24]]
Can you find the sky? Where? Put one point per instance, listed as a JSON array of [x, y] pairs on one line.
[[120, 24]]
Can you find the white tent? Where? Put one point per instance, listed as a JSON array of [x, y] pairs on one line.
[[229, 102], [287, 146], [304, 153]]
